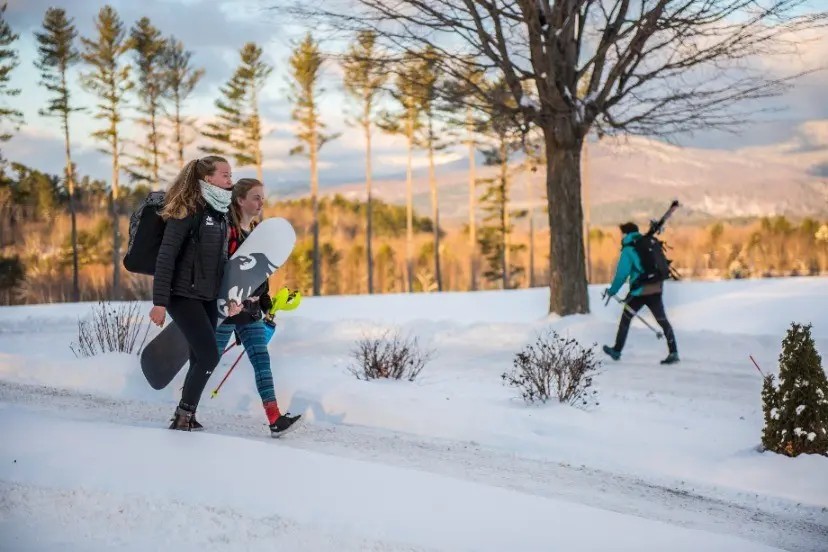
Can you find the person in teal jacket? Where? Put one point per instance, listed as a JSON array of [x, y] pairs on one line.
[[649, 295]]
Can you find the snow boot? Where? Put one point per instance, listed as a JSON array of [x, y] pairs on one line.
[[183, 417], [672, 358], [615, 355], [194, 425], [279, 423]]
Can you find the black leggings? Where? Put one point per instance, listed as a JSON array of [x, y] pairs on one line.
[[197, 321], [656, 306]]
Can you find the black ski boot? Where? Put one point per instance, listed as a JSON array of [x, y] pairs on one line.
[[283, 424], [183, 417]]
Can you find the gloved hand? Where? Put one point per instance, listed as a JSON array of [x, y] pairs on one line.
[[606, 295]]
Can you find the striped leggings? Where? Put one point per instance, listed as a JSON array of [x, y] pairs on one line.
[[253, 339]]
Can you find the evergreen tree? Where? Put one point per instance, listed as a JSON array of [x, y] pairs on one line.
[[239, 127], [9, 61], [463, 96], [364, 75], [305, 70], [149, 49], [57, 52], [796, 414], [406, 122], [109, 79], [427, 78], [182, 79], [495, 243]]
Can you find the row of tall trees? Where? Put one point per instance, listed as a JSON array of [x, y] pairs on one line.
[[516, 76], [654, 67], [122, 67], [142, 69]]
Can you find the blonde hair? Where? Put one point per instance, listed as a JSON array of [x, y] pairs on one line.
[[184, 195], [241, 188]]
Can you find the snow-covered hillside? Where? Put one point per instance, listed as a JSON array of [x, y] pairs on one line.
[[454, 461]]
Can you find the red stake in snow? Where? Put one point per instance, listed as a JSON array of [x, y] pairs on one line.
[[757, 365]]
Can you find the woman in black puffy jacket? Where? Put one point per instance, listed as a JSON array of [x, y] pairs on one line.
[[189, 269]]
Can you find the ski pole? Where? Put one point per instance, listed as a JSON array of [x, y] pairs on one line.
[[659, 335], [216, 390], [285, 300]]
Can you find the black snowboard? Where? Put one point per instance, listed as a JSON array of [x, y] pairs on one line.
[[169, 345], [264, 251]]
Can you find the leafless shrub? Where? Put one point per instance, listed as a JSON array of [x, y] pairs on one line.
[[110, 329], [555, 366], [389, 358]]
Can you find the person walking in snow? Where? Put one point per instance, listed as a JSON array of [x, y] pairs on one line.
[[649, 295], [245, 207], [189, 269]]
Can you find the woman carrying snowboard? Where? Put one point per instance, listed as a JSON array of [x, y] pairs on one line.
[[246, 206], [189, 269]]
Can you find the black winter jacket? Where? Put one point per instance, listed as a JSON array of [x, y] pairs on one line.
[[192, 257]]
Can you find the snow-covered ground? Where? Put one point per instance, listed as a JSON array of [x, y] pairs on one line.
[[454, 461]]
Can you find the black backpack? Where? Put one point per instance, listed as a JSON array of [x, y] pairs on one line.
[[146, 230], [654, 261]]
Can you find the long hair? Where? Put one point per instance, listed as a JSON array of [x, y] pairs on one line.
[[241, 188], [184, 195]]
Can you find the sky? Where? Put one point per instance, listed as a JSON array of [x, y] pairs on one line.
[[215, 30]]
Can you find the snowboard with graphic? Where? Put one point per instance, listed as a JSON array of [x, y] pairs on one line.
[[261, 254]]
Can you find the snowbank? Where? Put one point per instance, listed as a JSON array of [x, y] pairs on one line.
[[334, 496]]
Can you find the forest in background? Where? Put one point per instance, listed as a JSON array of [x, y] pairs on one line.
[[63, 236], [36, 254]]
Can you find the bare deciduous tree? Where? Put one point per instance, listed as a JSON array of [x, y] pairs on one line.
[[656, 67]]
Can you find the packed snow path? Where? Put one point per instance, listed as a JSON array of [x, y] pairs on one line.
[[670, 445], [801, 529]]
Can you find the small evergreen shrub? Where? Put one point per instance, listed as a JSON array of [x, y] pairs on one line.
[[387, 357], [111, 329], [554, 366], [796, 413]]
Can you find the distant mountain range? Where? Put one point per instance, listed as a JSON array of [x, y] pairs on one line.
[[636, 178]]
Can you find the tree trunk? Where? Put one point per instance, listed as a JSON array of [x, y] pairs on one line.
[[179, 138], [587, 255], [257, 146], [70, 180], [116, 234], [317, 278], [530, 192], [472, 207], [116, 237], [567, 269], [435, 208], [409, 207], [368, 208], [504, 215], [156, 177]]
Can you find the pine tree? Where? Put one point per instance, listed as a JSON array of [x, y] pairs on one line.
[[182, 79], [57, 53], [495, 243], [149, 49], [9, 60], [239, 125], [427, 78], [406, 122], [364, 75], [109, 79], [305, 70], [796, 414], [461, 106]]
